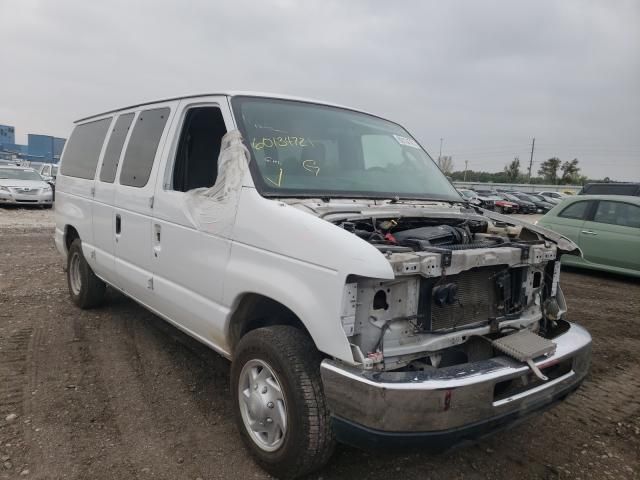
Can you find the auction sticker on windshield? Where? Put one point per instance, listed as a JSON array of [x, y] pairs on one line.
[[409, 142]]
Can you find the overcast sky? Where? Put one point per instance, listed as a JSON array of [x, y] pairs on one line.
[[486, 76]]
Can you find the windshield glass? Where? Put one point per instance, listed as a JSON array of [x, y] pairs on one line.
[[303, 149], [18, 174]]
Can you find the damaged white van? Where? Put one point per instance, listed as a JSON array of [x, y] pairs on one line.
[[319, 248]]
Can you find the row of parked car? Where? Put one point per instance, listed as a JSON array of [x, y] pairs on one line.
[[507, 201], [603, 220]]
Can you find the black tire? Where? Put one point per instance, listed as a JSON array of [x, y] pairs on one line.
[[90, 291], [309, 441]]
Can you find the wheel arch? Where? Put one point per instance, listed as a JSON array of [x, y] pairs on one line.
[[253, 310], [70, 234]]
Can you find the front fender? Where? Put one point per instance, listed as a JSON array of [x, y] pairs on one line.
[[300, 261], [312, 293]]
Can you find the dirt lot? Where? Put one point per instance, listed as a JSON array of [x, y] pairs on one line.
[[117, 393]]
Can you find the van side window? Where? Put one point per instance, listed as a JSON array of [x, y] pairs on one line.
[[142, 147], [114, 148], [196, 163], [83, 149]]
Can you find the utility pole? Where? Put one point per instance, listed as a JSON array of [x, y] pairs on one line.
[[533, 144], [440, 156], [466, 165]]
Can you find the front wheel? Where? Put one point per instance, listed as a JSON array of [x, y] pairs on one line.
[[279, 402]]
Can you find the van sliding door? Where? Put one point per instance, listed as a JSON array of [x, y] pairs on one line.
[[133, 207]]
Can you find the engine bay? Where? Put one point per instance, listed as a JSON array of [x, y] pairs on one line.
[[460, 284]]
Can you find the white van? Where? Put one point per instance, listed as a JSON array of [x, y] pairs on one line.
[[359, 297]]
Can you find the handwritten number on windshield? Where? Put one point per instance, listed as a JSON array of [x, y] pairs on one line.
[[278, 142]]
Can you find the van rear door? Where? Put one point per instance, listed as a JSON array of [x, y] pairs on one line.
[[75, 185]]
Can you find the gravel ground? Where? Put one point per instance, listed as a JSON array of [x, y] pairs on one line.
[[118, 393], [15, 217]]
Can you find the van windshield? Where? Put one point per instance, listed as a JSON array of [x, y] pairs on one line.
[[304, 149]]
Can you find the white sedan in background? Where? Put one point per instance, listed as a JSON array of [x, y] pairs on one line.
[[24, 186]]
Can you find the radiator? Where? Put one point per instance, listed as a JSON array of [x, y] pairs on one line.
[[477, 298]]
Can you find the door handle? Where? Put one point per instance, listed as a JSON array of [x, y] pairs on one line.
[[589, 232], [118, 224]]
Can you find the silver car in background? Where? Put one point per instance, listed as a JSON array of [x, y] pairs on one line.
[[24, 186]]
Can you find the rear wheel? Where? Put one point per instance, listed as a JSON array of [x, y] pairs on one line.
[[86, 290], [279, 403]]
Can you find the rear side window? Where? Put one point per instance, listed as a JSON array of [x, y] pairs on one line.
[[142, 147], [83, 149], [618, 213], [114, 148], [576, 210]]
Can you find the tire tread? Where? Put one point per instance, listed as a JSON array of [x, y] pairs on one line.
[[297, 349]]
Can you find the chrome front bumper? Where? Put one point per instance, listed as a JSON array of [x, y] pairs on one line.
[[454, 398]]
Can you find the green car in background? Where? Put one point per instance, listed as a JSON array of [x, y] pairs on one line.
[[605, 227]]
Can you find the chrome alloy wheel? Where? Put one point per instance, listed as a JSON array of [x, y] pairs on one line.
[[75, 280], [262, 405]]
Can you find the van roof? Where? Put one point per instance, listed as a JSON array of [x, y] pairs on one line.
[[226, 94]]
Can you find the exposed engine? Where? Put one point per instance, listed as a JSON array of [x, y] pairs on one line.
[[460, 284]]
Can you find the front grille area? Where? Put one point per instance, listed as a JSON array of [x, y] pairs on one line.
[[481, 295], [22, 191]]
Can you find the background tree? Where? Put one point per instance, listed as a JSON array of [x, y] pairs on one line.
[[549, 170], [513, 170], [446, 164], [570, 171]]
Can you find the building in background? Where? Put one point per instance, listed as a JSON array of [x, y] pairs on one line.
[[58, 145], [7, 134], [39, 148]]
